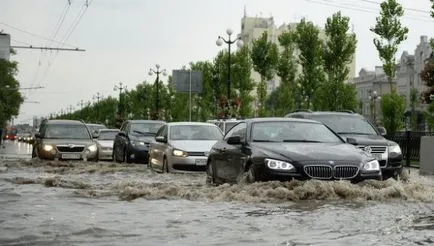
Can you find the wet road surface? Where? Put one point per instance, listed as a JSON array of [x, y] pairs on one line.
[[86, 203]]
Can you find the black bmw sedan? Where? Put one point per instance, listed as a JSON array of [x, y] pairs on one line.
[[264, 149]]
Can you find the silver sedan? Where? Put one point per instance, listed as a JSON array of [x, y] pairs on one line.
[[183, 146], [104, 142]]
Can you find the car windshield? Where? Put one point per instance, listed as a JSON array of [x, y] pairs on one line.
[[290, 131], [195, 132], [107, 135], [145, 128], [229, 125], [67, 132], [346, 124]]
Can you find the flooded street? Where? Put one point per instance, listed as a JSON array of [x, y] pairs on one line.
[[88, 203]]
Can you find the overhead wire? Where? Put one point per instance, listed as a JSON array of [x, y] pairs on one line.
[[67, 35]]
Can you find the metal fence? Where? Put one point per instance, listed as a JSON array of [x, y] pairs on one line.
[[410, 144]]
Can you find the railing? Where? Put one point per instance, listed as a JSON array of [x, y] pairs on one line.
[[410, 144]]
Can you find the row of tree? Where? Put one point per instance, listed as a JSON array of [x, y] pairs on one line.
[[313, 71]]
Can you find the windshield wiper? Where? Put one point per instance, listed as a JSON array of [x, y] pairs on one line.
[[263, 140], [355, 133], [300, 141], [143, 133]]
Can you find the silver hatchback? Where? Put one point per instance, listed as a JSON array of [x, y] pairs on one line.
[[183, 146]]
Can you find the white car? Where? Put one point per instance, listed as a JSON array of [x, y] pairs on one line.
[[104, 143], [183, 146]]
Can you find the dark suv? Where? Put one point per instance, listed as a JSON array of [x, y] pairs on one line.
[[64, 140], [368, 138], [132, 141]]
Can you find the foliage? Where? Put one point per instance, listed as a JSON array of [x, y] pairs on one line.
[[392, 106], [390, 34], [10, 96], [429, 115], [414, 103], [310, 59], [243, 82], [427, 75], [338, 53], [265, 55], [281, 100]]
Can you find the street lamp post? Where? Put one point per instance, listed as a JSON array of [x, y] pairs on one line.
[[229, 42], [157, 81], [98, 96], [120, 87], [373, 97]]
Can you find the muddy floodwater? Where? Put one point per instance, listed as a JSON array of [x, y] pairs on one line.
[[87, 203]]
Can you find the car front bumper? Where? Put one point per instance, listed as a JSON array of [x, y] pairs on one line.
[[269, 175], [189, 163], [52, 155], [105, 154], [138, 153]]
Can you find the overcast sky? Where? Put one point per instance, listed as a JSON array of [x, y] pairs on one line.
[[124, 38]]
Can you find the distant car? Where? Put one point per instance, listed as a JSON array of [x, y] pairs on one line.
[[183, 146], [265, 149], [225, 124], [64, 140], [368, 137], [93, 128], [104, 141], [131, 144]]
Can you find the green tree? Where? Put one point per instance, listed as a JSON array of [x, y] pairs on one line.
[[10, 96], [390, 34], [282, 101], [310, 59], [204, 100], [392, 106], [338, 53], [265, 55], [243, 81], [414, 103]]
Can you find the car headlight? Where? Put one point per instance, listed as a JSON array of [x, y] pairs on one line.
[[138, 143], [92, 148], [394, 149], [179, 153], [372, 165], [48, 147], [278, 165]]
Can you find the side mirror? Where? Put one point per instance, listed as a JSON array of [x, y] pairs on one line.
[[234, 140], [95, 135], [122, 134], [382, 130], [37, 135], [160, 139], [352, 141]]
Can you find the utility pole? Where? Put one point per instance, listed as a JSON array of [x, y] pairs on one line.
[[98, 96]]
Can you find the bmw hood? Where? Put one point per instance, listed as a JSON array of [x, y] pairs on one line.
[[369, 139], [193, 145], [311, 151]]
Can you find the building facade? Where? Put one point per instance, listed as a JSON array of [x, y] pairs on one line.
[[407, 77], [252, 28]]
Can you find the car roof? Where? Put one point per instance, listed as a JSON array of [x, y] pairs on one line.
[[64, 122], [188, 123], [146, 121], [94, 124], [341, 113], [274, 119]]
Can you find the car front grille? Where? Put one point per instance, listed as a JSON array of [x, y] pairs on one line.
[[196, 153], [66, 148], [329, 172], [374, 149]]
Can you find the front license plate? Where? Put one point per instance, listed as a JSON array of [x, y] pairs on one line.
[[71, 156], [378, 156], [200, 162]]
